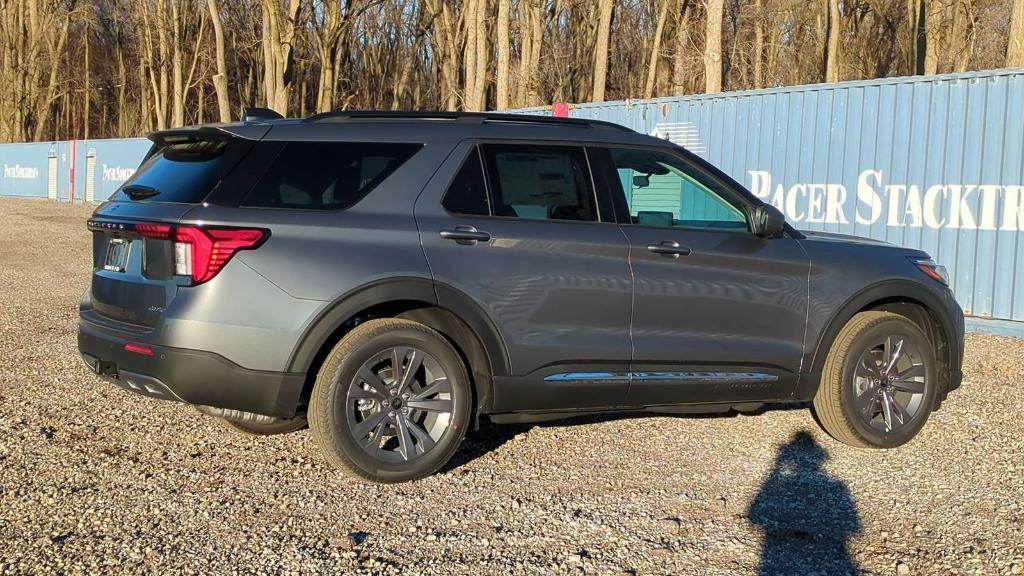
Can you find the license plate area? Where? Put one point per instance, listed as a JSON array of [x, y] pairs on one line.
[[118, 250]]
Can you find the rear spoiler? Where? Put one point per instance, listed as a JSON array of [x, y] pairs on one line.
[[209, 133], [215, 133]]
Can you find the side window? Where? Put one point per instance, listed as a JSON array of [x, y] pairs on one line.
[[540, 182], [662, 190], [326, 175], [467, 193]]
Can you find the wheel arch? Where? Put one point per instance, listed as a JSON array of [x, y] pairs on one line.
[[445, 309], [902, 297]]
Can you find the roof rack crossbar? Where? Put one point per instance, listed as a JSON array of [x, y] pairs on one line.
[[475, 117]]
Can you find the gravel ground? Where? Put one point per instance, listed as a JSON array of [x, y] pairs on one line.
[[94, 479]]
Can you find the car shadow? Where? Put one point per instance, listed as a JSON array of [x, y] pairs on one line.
[[806, 516]]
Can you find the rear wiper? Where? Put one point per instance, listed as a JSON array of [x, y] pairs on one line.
[[139, 192]]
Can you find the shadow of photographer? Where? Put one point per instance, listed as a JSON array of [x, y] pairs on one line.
[[807, 516]]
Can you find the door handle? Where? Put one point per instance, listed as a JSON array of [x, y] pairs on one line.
[[465, 235], [669, 249]]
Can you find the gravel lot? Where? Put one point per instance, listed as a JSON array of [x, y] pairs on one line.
[[94, 479]]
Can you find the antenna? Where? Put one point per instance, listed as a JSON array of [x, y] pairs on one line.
[[257, 114]]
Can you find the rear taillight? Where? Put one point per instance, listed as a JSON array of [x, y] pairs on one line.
[[201, 252]]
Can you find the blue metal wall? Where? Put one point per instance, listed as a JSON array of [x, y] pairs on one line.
[[34, 170], [932, 162]]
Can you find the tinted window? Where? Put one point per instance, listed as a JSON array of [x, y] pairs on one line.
[[182, 172], [540, 182], [468, 192], [663, 190], [326, 175]]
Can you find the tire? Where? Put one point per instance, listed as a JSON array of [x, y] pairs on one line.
[[864, 402], [277, 426], [368, 431]]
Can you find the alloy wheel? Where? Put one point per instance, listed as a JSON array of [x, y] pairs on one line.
[[889, 383], [400, 403]]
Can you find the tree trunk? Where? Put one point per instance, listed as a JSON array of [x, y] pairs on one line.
[[961, 36], [835, 30], [679, 75], [713, 47], [469, 54], [447, 47], [933, 34], [1015, 49], [759, 26], [504, 54], [220, 79], [652, 67], [531, 30], [177, 66], [480, 33], [269, 61], [915, 35], [88, 92], [604, 30]]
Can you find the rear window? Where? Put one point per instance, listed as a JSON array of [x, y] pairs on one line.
[[326, 175], [181, 172]]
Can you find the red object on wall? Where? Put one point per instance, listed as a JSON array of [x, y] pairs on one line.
[[560, 110], [71, 175]]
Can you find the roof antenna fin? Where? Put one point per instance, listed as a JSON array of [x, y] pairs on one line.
[[258, 114]]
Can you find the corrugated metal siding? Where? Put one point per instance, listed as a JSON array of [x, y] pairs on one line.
[[943, 156], [34, 169]]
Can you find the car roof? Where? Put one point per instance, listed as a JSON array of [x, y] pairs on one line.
[[421, 127]]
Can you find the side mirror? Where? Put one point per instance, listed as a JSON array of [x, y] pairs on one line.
[[768, 221]]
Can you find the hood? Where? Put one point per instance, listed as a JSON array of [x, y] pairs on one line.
[[832, 238], [816, 236]]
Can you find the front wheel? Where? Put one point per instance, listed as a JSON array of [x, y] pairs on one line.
[[878, 385], [391, 402]]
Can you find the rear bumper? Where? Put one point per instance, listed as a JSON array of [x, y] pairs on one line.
[[189, 376]]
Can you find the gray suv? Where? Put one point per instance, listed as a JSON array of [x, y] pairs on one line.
[[395, 278]]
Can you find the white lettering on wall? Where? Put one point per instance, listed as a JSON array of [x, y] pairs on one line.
[[117, 173], [19, 171], [963, 206]]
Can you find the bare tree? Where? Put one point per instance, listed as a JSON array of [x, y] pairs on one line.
[[604, 26], [479, 35], [652, 66], [279, 23], [97, 68], [713, 46], [835, 29], [504, 49], [1015, 47], [220, 79], [531, 31], [933, 34]]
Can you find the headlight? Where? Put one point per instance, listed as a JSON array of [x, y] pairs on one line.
[[934, 271]]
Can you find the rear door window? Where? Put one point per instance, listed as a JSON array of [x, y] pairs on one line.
[[183, 172], [540, 182], [326, 175]]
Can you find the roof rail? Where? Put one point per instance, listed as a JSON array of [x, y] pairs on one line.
[[474, 117]]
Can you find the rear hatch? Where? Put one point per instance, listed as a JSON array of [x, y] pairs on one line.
[[142, 255]]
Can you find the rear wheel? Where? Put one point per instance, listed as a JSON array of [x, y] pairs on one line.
[[391, 402], [878, 385]]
